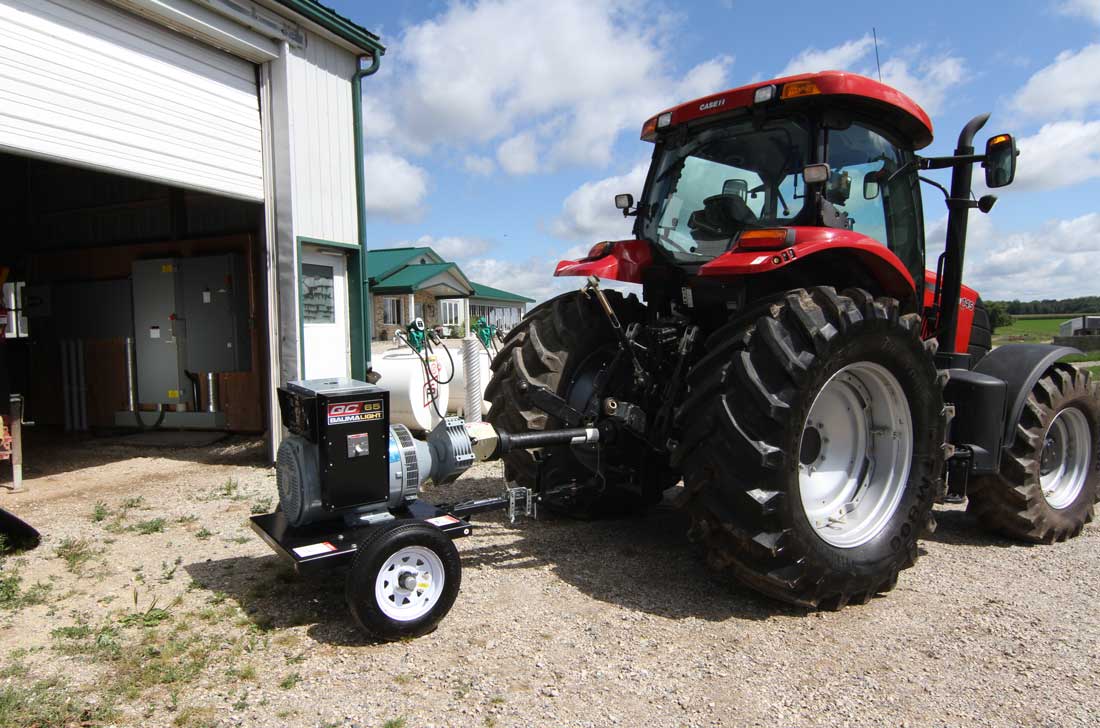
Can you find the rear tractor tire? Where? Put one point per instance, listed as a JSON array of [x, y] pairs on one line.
[[812, 446], [1049, 476], [562, 345]]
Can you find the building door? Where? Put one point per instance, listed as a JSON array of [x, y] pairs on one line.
[[326, 339]]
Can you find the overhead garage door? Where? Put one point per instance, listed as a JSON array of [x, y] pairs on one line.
[[90, 84]]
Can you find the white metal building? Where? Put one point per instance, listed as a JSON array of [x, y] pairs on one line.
[[133, 130]]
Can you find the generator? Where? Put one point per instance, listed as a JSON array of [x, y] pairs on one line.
[[349, 491]]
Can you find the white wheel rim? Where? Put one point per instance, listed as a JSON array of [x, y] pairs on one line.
[[854, 454], [409, 583], [1064, 463]]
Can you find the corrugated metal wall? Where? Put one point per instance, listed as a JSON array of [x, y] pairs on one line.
[[96, 86], [322, 151]]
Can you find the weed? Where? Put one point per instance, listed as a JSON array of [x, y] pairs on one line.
[[167, 571], [131, 503], [394, 723], [242, 702], [186, 520], [296, 659], [241, 539], [50, 702], [75, 552], [282, 714], [74, 632], [195, 717], [203, 533], [100, 512], [290, 681], [497, 700], [14, 597], [217, 597], [151, 617], [248, 672], [403, 679], [155, 525], [261, 506]]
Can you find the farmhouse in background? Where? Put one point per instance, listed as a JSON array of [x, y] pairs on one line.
[[416, 282]]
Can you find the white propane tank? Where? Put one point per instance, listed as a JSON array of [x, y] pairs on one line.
[[402, 373], [458, 384]]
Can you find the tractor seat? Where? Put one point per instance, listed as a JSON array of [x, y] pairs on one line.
[[721, 217]]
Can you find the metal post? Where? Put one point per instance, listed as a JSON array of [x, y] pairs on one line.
[[17, 443], [471, 364], [211, 392], [131, 376]]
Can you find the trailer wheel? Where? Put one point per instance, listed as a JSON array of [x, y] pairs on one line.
[[563, 345], [1049, 474], [404, 581], [812, 446]]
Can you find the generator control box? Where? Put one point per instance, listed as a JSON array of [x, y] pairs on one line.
[[348, 421]]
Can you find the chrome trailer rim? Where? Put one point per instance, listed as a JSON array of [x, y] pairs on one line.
[[1064, 463], [854, 454], [409, 583]]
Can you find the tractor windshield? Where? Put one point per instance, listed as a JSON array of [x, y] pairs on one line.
[[724, 180]]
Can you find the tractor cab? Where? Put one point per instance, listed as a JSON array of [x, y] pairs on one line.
[[829, 151]]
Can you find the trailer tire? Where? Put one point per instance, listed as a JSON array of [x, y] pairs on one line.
[[555, 346], [1060, 421], [751, 406], [386, 606]]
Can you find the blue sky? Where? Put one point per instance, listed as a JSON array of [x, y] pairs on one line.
[[497, 131]]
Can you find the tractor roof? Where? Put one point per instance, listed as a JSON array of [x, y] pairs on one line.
[[852, 90]]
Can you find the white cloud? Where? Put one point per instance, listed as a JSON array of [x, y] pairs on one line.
[[395, 188], [589, 214], [1070, 85], [924, 79], [478, 165], [453, 247], [1060, 153], [1056, 261], [519, 154], [1089, 9], [837, 58], [603, 68]]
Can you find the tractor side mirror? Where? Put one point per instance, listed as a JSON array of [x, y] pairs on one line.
[[870, 185], [815, 174], [1000, 161]]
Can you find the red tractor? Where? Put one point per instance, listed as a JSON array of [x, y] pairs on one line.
[[816, 390]]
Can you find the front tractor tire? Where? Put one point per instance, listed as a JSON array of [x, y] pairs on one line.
[[812, 446], [563, 345], [1049, 475]]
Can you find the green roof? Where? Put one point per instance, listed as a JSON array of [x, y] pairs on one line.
[[387, 261], [483, 291], [410, 278], [337, 24]]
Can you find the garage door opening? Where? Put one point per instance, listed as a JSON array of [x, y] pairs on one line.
[[133, 307]]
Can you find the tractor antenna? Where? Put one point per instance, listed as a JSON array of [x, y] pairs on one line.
[[874, 34]]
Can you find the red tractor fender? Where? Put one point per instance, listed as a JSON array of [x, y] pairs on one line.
[[624, 260], [801, 244]]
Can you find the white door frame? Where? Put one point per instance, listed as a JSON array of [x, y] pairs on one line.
[[337, 257]]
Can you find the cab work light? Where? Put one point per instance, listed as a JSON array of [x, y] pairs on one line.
[[763, 94], [795, 89]]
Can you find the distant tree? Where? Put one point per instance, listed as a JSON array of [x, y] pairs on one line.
[[998, 314], [1084, 304]]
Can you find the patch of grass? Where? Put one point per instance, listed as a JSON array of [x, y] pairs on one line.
[[394, 723], [193, 716], [1035, 330], [151, 617], [75, 552], [12, 596], [100, 512], [154, 525], [131, 503], [51, 702], [203, 533], [1087, 356], [263, 505], [186, 520], [289, 681], [1094, 372]]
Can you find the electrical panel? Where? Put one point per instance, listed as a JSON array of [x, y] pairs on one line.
[[190, 315]]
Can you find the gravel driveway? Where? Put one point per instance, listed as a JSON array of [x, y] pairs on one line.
[[150, 603]]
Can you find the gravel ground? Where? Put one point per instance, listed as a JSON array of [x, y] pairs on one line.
[[191, 621]]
